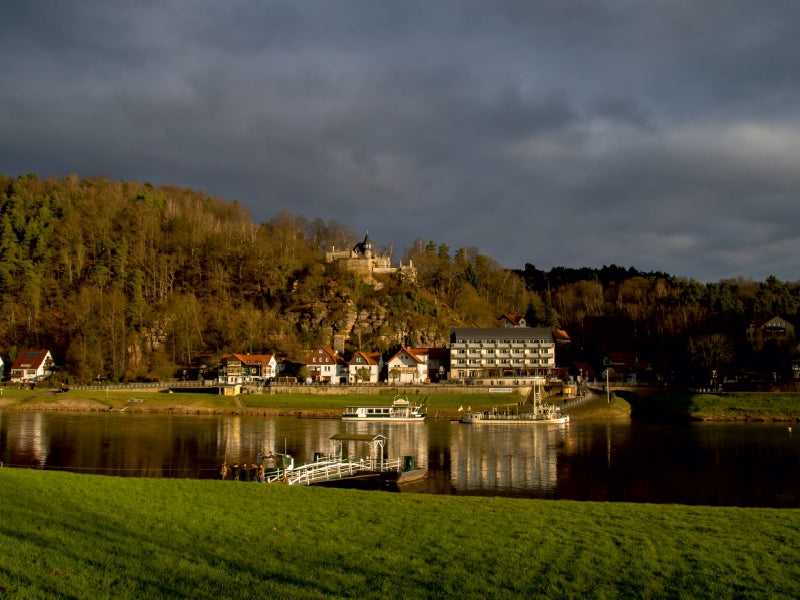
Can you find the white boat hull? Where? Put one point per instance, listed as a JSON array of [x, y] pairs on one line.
[[400, 411], [385, 419], [522, 419]]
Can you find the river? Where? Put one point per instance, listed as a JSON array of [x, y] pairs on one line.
[[717, 464]]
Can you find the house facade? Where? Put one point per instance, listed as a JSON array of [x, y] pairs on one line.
[[32, 365], [438, 363], [324, 365], [408, 365], [624, 367], [247, 368], [365, 367], [509, 320], [763, 330], [499, 352]]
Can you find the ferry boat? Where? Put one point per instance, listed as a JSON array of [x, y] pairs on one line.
[[402, 410], [542, 414]]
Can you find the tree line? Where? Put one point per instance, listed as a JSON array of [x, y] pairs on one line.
[[130, 281]]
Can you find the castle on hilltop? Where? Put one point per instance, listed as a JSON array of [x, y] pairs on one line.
[[362, 260]]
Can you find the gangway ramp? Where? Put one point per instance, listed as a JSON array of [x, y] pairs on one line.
[[330, 467]]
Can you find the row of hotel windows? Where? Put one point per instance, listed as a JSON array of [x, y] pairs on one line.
[[483, 341], [499, 361], [502, 350]]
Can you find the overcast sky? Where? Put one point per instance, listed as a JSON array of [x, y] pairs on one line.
[[657, 134]]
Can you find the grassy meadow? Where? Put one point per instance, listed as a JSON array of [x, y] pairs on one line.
[[64, 535], [739, 406]]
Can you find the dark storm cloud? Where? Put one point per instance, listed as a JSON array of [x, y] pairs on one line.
[[661, 135]]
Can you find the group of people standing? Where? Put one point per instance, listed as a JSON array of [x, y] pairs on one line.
[[243, 472]]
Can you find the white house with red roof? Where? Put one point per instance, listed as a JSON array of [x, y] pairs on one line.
[[246, 368], [509, 320], [326, 366], [409, 365], [365, 367], [32, 365]]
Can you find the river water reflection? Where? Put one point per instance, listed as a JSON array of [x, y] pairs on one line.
[[686, 463]]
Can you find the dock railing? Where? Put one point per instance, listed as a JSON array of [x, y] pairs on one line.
[[328, 467]]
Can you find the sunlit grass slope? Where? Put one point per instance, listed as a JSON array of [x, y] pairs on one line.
[[78, 536]]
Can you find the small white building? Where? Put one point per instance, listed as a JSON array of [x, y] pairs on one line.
[[32, 365], [409, 365], [247, 368], [365, 367], [326, 366]]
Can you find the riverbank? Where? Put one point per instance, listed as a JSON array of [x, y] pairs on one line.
[[85, 536], [741, 406], [738, 406], [302, 405]]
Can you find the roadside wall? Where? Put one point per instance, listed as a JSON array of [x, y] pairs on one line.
[[427, 388]]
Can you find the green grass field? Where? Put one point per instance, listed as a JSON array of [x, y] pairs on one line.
[[307, 403], [81, 536], [740, 406]]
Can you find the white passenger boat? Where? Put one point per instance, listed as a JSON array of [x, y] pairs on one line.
[[543, 414], [401, 410], [540, 412]]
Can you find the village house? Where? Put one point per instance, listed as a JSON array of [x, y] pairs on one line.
[[247, 368], [324, 365], [438, 362], [508, 320], [584, 371], [769, 329], [365, 367], [32, 365], [409, 365], [501, 352], [624, 367]]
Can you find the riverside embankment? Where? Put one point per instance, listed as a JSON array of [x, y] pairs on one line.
[[444, 402]]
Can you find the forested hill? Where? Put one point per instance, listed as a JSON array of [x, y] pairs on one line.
[[124, 280]]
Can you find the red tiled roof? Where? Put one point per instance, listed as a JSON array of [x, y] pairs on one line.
[[560, 334], [412, 352], [372, 358], [513, 319], [330, 352], [30, 359], [250, 359]]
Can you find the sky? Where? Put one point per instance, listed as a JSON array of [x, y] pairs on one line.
[[655, 134]]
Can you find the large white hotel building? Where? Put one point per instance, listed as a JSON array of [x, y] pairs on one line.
[[501, 353]]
